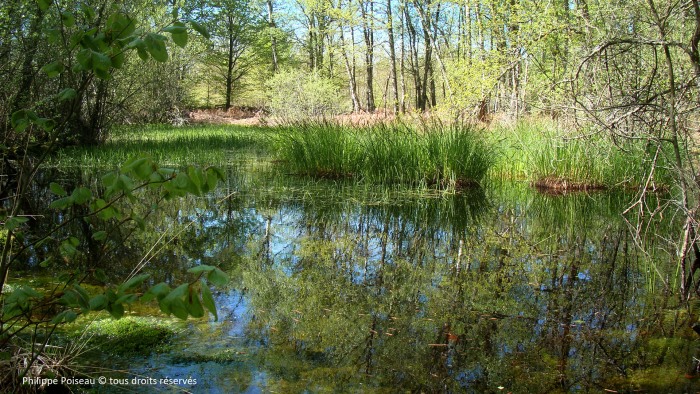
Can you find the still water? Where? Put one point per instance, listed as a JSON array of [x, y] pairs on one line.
[[345, 288]]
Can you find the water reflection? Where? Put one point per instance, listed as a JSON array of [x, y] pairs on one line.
[[341, 288]]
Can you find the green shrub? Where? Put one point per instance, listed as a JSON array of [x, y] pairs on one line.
[[301, 95]]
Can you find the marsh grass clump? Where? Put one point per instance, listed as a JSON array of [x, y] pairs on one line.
[[320, 150], [555, 161], [447, 157]]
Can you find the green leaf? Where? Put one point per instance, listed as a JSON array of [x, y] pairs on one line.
[[179, 291], [124, 183], [67, 249], [46, 124], [103, 74], [14, 222], [127, 299], [199, 28], [99, 236], [84, 59], [156, 47], [68, 19], [180, 39], [101, 61], [121, 25], [116, 310], [81, 195], [109, 178], [98, 302], [194, 306], [46, 263], [53, 69], [217, 277], [83, 297], [117, 58], [67, 94], [201, 268], [88, 11], [179, 309], [184, 182], [70, 316], [133, 282], [176, 28], [65, 316], [196, 177], [61, 203], [44, 4], [208, 301], [178, 33], [143, 53], [161, 290], [57, 189], [143, 167], [100, 275], [20, 119], [175, 295]]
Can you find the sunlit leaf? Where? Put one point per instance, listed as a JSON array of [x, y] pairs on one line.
[[217, 277], [199, 28], [133, 282], [156, 47]]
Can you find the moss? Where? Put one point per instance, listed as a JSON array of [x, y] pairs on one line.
[[129, 335], [657, 379], [218, 356]]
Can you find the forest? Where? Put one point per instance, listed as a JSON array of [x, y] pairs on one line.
[[350, 195]]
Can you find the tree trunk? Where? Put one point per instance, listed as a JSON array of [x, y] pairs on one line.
[[230, 63], [350, 67], [367, 11], [273, 40], [392, 57]]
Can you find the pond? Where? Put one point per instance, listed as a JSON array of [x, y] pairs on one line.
[[338, 287]]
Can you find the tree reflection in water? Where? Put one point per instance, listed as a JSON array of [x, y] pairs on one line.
[[345, 289]]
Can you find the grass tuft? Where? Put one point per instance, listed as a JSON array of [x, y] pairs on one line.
[[552, 159], [449, 157]]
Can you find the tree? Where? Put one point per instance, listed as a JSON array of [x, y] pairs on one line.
[[642, 83], [233, 26], [94, 50]]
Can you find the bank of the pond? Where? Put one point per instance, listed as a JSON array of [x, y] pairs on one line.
[[167, 145]]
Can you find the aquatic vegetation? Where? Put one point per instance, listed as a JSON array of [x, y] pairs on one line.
[[129, 335], [167, 145], [553, 159], [445, 156]]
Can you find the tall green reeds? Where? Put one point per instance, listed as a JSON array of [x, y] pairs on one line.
[[446, 156], [549, 157]]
